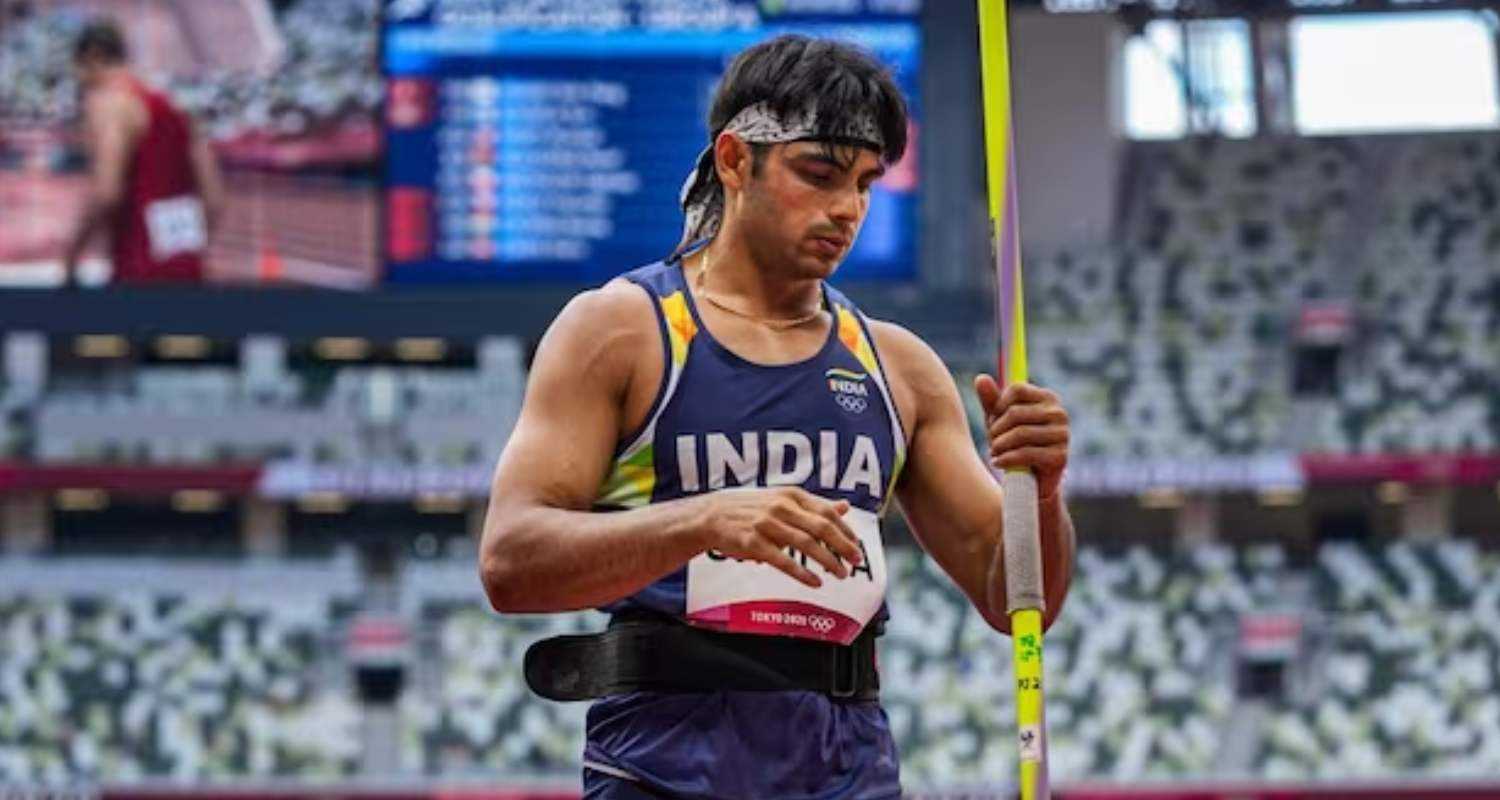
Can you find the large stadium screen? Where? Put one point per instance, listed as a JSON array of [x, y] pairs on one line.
[[549, 141]]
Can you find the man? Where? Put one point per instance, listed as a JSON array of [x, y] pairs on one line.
[[153, 182], [732, 365]]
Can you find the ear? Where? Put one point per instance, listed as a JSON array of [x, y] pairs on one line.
[[732, 161]]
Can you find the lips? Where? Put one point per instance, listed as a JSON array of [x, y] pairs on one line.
[[831, 245]]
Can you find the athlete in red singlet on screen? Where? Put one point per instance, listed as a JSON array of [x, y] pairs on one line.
[[154, 184]]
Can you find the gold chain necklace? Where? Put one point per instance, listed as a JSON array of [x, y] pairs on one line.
[[773, 324]]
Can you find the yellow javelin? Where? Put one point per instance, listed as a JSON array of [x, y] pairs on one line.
[[1021, 546]]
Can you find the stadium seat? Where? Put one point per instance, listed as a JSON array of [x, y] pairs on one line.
[[1407, 683], [1173, 341], [214, 678], [174, 415]]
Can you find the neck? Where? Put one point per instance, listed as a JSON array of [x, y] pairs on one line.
[[112, 74], [755, 289]]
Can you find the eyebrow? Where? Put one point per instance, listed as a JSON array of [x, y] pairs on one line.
[[875, 173]]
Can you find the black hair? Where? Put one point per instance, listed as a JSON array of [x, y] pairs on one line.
[[100, 39], [836, 80]]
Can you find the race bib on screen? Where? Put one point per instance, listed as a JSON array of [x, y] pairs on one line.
[[750, 597], [176, 225]]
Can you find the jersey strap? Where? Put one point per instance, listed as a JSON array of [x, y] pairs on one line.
[[854, 333], [632, 479]]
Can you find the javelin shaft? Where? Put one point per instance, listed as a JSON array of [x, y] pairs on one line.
[[1000, 163], [1021, 544]]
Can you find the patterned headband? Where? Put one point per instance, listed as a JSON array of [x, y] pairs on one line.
[[702, 195]]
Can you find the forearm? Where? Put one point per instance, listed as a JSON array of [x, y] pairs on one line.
[[211, 195], [541, 559], [210, 182], [88, 222], [213, 216], [1055, 529], [1058, 545]]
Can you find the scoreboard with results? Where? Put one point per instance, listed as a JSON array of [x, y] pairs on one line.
[[532, 141]]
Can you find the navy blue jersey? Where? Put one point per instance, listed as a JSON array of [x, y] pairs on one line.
[[719, 422]]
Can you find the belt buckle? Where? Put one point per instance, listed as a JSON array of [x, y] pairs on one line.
[[845, 681]]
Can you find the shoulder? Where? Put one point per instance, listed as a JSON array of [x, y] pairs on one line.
[[107, 102], [112, 107], [904, 354], [617, 311], [604, 331], [920, 382], [617, 301]]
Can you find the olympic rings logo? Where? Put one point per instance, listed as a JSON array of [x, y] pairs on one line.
[[851, 403], [820, 623]]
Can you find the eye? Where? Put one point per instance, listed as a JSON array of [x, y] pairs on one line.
[[819, 177]]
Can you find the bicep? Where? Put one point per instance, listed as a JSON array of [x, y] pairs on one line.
[[947, 493], [205, 167], [559, 452], [108, 138]]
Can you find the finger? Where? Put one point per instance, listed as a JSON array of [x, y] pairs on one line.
[[1016, 416], [1046, 458], [770, 554], [834, 513], [1023, 393], [830, 529], [831, 510], [1030, 436], [826, 526], [785, 534], [988, 392]]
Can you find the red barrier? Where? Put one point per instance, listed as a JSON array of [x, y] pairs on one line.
[[1433, 468], [138, 479]]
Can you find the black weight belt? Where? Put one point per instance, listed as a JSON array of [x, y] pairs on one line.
[[646, 652]]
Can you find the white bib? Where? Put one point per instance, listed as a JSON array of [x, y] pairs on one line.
[[175, 225], [750, 597]]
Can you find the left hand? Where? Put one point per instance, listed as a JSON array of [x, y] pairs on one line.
[[1027, 427]]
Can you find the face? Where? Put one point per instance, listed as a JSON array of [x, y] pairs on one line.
[[803, 209], [87, 70]]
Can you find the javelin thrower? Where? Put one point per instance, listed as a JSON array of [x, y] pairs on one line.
[[732, 363]]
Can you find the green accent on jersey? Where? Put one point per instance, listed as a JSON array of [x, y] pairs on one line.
[[631, 482], [890, 491]]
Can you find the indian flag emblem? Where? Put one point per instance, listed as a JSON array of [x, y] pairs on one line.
[[850, 389]]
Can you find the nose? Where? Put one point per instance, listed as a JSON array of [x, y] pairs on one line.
[[848, 206]]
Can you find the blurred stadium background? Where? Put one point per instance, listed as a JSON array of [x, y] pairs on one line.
[[238, 521]]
